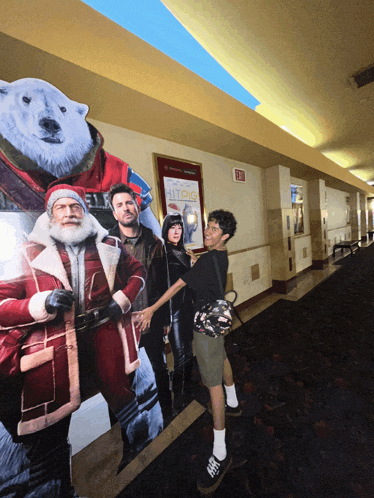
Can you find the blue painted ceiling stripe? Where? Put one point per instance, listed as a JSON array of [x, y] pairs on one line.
[[151, 21]]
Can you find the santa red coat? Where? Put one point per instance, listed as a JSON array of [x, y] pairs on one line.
[[51, 389]]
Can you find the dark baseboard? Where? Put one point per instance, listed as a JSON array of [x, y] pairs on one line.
[[364, 238], [319, 264], [284, 286]]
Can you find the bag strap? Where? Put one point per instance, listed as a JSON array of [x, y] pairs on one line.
[[169, 284], [219, 276]]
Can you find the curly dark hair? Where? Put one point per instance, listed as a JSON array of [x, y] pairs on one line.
[[169, 221], [225, 220], [121, 188]]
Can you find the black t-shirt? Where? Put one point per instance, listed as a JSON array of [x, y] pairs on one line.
[[202, 278]]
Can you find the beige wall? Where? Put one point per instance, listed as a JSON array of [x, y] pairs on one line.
[[337, 217], [336, 208], [303, 252]]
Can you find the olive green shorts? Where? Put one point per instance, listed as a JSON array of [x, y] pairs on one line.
[[210, 355]]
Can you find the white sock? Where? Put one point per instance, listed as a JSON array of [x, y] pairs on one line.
[[231, 398], [219, 445]]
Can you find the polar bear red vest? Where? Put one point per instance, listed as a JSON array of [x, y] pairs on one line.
[[45, 139]]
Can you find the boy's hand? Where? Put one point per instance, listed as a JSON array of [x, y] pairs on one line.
[[192, 256], [143, 318]]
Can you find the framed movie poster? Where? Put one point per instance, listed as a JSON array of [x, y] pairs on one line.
[[180, 190], [297, 199]]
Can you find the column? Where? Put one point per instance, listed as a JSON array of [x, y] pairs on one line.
[[364, 217], [280, 228], [318, 222], [370, 214], [370, 202], [354, 201]]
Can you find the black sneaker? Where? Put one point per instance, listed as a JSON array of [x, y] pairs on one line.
[[229, 410], [233, 412], [212, 474]]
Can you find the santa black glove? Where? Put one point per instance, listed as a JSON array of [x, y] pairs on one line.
[[60, 300], [114, 310]]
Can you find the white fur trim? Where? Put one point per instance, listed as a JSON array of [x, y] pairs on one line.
[[34, 360], [109, 257], [72, 348], [37, 424], [40, 232], [37, 307], [121, 299], [48, 419], [49, 261]]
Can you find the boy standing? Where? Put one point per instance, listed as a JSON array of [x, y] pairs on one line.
[[213, 363]]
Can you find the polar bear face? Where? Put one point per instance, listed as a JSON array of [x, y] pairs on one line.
[[44, 124]]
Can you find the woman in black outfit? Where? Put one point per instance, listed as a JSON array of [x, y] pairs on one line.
[[181, 332]]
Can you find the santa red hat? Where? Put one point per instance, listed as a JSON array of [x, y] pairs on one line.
[[63, 190]]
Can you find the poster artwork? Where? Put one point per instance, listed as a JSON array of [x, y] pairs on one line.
[[45, 143], [182, 196], [297, 199]]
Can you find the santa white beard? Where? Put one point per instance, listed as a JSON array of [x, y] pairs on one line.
[[72, 235]]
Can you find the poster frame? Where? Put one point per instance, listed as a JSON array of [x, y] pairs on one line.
[[298, 214], [160, 171]]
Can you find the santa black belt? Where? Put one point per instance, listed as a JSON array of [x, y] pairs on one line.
[[91, 319]]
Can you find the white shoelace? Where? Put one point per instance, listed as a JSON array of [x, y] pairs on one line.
[[213, 466]]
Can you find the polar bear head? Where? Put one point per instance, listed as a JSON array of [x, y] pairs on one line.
[[44, 124]]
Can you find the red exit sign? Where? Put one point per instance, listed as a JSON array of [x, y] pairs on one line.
[[238, 175]]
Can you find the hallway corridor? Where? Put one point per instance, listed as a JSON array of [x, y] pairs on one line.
[[304, 371]]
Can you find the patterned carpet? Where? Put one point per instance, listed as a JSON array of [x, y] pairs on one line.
[[305, 378]]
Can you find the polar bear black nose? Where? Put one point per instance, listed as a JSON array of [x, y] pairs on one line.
[[50, 125]]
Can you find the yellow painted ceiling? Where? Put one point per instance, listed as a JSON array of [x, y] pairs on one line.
[[296, 58]]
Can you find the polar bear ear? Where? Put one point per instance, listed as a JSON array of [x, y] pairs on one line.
[[82, 109], [4, 88]]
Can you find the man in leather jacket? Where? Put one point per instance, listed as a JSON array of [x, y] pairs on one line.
[[141, 243]]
